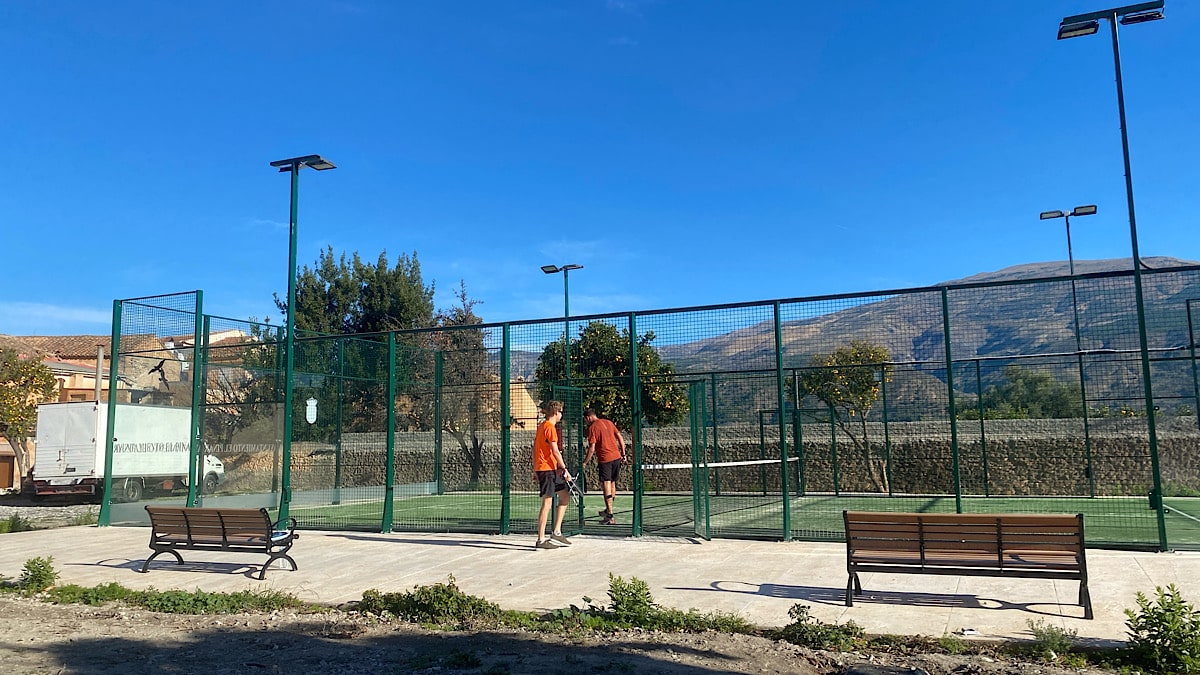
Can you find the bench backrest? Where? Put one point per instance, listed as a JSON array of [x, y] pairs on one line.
[[209, 524], [963, 532]]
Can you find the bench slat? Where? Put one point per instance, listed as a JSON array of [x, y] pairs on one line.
[[1025, 545], [218, 529]]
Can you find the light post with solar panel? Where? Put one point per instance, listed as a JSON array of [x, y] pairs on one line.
[[1088, 24]]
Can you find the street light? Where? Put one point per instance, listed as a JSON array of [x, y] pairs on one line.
[[1075, 26], [565, 269], [1087, 210], [293, 167]]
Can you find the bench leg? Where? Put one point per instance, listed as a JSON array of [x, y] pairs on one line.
[[146, 565], [1085, 599], [262, 574], [851, 585]]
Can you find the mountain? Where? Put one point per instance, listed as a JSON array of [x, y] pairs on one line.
[[993, 318]]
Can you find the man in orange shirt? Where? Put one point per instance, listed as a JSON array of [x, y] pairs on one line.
[[609, 447], [552, 476]]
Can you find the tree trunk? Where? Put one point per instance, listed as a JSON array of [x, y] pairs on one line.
[[24, 455]]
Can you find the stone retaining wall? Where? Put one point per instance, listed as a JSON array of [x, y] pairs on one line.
[[1013, 457]]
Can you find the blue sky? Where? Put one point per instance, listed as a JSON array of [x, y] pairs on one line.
[[685, 152]]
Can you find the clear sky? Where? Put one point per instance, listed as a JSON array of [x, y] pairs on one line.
[[686, 152]]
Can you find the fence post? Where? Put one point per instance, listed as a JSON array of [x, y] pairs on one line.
[[635, 423], [437, 422], [114, 361], [340, 345], [389, 490], [783, 444], [195, 451], [954, 459], [987, 488], [887, 436], [505, 433]]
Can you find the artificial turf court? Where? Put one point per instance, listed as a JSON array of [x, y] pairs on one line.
[[1109, 521]]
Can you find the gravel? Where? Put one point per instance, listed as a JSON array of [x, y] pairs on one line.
[[53, 515]]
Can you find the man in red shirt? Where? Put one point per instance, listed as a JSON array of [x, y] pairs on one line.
[[608, 445], [552, 476]]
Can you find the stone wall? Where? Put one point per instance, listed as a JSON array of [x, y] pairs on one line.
[[1016, 457]]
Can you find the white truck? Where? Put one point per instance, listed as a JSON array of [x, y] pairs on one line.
[[151, 451]]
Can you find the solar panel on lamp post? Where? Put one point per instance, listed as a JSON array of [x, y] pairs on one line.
[[1087, 24], [292, 166]]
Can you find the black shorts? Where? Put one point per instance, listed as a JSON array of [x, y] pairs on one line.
[[550, 482], [609, 471]]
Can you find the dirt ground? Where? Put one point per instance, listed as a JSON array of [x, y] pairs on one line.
[[36, 637]]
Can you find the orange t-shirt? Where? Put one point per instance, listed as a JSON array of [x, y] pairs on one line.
[[603, 433], [543, 448]]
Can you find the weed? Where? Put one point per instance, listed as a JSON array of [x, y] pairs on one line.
[[1164, 633], [98, 595], [37, 575], [438, 605], [15, 523], [630, 600], [807, 631], [84, 519], [952, 644], [1050, 642]]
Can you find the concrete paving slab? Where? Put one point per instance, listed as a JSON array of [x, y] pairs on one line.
[[758, 580]]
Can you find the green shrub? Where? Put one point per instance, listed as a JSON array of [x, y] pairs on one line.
[[807, 631], [1164, 633], [439, 605], [202, 602], [37, 575], [630, 601], [73, 594]]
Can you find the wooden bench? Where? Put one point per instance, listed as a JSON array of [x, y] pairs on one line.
[[971, 544], [173, 528]]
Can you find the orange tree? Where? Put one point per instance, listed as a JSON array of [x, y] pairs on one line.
[[24, 382], [600, 366], [848, 381]]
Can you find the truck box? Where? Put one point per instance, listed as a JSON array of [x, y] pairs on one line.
[[151, 450]]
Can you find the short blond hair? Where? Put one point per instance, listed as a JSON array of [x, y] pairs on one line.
[[551, 407]]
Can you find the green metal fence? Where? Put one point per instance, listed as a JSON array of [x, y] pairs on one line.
[[761, 419]]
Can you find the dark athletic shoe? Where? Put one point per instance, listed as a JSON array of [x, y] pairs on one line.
[[546, 543], [603, 513], [559, 539]]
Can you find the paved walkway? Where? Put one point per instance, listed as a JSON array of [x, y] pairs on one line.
[[758, 580]]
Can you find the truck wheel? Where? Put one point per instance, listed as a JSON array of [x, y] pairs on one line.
[[210, 483], [131, 490]]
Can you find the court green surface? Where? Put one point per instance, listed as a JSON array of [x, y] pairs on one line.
[[1108, 521]]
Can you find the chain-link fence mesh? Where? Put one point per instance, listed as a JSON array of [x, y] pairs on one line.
[[752, 420]]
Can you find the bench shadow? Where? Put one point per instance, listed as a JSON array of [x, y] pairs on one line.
[[837, 596], [470, 543], [169, 565]]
